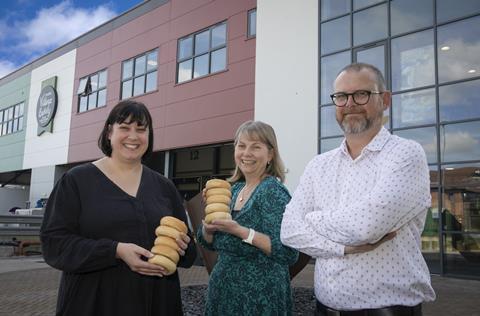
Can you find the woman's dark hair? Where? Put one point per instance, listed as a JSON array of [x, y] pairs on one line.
[[132, 111]]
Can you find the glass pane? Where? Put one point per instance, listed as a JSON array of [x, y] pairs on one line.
[[333, 8], [10, 113], [185, 47], [152, 60], [328, 123], [413, 108], [140, 65], [410, 15], [151, 82], [219, 60], [9, 127], [1, 129], [127, 70], [373, 56], [462, 254], [413, 62], [81, 85], [94, 82], [252, 23], [330, 67], [185, 70], [330, 143], [4, 132], [22, 105], [458, 50], [335, 35], [219, 35], [102, 97], [102, 79], [460, 142], [82, 104], [92, 100], [20, 123], [16, 112], [370, 25], [459, 101], [1, 116], [139, 86], [15, 126], [427, 137], [202, 42], [200, 66], [127, 89], [449, 10], [357, 4]]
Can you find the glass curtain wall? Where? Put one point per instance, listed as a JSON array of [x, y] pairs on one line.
[[428, 51]]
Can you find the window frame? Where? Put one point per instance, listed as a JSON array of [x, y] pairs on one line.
[[85, 90], [133, 77], [249, 30]]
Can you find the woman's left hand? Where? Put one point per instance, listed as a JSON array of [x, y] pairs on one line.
[[227, 226], [182, 242]]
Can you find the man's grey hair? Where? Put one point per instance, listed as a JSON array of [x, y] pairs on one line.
[[380, 80]]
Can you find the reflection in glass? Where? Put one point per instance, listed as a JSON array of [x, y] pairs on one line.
[[102, 97], [330, 143], [462, 254], [139, 86], [357, 4], [219, 60], [335, 35], [82, 106], [410, 15], [333, 8], [449, 10], [460, 142], [219, 35], [252, 23], [202, 42], [373, 56], [94, 82], [426, 136], [152, 60], [413, 63], [151, 81], [370, 25], [328, 124], [330, 67], [92, 101], [458, 50], [185, 47], [127, 89], [413, 108], [185, 70], [127, 70], [200, 67], [140, 65], [102, 79], [459, 101]]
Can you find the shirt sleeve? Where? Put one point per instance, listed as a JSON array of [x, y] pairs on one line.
[[63, 246], [401, 194], [296, 232]]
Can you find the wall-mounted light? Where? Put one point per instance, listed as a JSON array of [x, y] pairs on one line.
[[445, 48]]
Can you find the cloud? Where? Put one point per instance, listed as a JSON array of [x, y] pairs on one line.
[[6, 67], [54, 26]]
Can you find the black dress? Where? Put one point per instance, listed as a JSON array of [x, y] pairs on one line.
[[86, 216]]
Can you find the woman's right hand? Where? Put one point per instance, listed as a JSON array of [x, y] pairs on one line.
[[132, 254], [369, 247]]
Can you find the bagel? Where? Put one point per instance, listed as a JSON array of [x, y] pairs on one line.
[[166, 251], [166, 241], [218, 198], [168, 231], [217, 207], [217, 183], [174, 223], [216, 191], [169, 265], [217, 215]]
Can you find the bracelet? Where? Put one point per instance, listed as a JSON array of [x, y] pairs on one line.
[[249, 239]]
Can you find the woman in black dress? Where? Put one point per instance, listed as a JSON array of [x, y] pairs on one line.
[[100, 223]]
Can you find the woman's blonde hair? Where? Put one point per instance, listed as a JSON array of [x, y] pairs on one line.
[[264, 133]]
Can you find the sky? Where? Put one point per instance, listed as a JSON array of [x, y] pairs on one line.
[[31, 28]]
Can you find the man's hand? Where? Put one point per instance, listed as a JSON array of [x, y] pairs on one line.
[[369, 247], [131, 254]]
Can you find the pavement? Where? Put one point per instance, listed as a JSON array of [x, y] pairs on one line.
[[28, 287]]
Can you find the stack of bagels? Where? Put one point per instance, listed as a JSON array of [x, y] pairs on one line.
[[218, 198], [166, 248]]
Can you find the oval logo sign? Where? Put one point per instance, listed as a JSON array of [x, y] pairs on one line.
[[46, 106]]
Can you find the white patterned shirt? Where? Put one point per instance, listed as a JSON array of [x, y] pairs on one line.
[[341, 201]]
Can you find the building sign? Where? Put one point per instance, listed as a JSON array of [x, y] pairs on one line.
[[46, 108]]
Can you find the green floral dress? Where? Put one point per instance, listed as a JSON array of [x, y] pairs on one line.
[[245, 281]]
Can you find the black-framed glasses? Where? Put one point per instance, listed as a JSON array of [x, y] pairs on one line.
[[360, 97]]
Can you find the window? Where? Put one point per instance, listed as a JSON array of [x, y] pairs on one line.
[[202, 53], [11, 119], [92, 91], [139, 74], [252, 23]]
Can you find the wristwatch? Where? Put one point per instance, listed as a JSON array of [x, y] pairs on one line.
[[249, 239]]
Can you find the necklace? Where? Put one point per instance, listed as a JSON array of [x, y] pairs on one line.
[[244, 191]]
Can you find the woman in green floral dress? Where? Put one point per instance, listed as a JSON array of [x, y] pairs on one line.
[[251, 274]]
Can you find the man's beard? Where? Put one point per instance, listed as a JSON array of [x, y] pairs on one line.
[[359, 125]]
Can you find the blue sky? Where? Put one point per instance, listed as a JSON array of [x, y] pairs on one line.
[[32, 28]]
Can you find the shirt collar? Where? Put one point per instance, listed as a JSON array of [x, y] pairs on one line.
[[376, 144]]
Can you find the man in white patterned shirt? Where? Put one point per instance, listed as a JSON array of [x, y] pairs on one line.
[[360, 209]]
